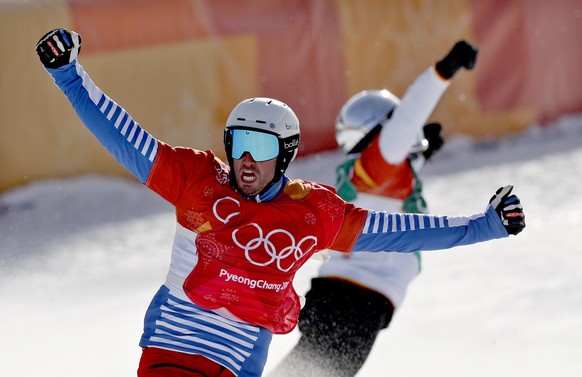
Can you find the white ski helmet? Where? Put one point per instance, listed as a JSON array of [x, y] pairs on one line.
[[269, 117], [361, 118]]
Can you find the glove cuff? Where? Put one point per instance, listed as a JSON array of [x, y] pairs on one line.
[[447, 67]]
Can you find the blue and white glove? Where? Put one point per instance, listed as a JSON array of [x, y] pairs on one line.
[[463, 54], [58, 47], [509, 209]]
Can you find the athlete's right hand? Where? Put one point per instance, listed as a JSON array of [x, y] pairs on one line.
[[463, 54], [58, 47]]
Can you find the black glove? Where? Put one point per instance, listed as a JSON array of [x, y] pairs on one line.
[[432, 134], [509, 209], [462, 54], [58, 47]]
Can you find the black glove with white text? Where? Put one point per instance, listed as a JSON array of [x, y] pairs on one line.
[[509, 209], [463, 54], [58, 47]]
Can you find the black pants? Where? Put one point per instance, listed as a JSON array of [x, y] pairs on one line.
[[339, 324]]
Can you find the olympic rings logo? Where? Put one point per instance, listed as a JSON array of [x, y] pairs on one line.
[[260, 250], [215, 211], [285, 258]]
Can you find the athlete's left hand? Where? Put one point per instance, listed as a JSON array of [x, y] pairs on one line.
[[509, 209], [433, 134]]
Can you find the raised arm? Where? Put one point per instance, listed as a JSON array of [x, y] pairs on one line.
[[408, 232], [124, 138], [401, 131]]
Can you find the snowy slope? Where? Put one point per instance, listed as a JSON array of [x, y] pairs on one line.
[[80, 259]]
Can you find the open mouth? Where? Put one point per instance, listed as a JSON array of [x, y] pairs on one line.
[[248, 176]]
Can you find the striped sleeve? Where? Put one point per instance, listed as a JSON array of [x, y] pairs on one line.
[[407, 232], [123, 137]]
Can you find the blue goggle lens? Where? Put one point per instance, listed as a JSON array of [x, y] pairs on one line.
[[260, 145]]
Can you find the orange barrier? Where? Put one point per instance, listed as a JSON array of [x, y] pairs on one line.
[[531, 56], [180, 66]]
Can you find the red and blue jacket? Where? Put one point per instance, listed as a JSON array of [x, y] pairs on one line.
[[229, 285]]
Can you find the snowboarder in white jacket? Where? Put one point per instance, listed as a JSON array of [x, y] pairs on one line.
[[387, 142]]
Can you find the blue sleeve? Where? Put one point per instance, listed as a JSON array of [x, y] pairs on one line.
[[406, 232], [131, 145]]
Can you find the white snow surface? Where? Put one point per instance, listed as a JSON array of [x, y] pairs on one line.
[[81, 258]]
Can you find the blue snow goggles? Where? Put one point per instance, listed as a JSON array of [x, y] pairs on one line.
[[262, 146]]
